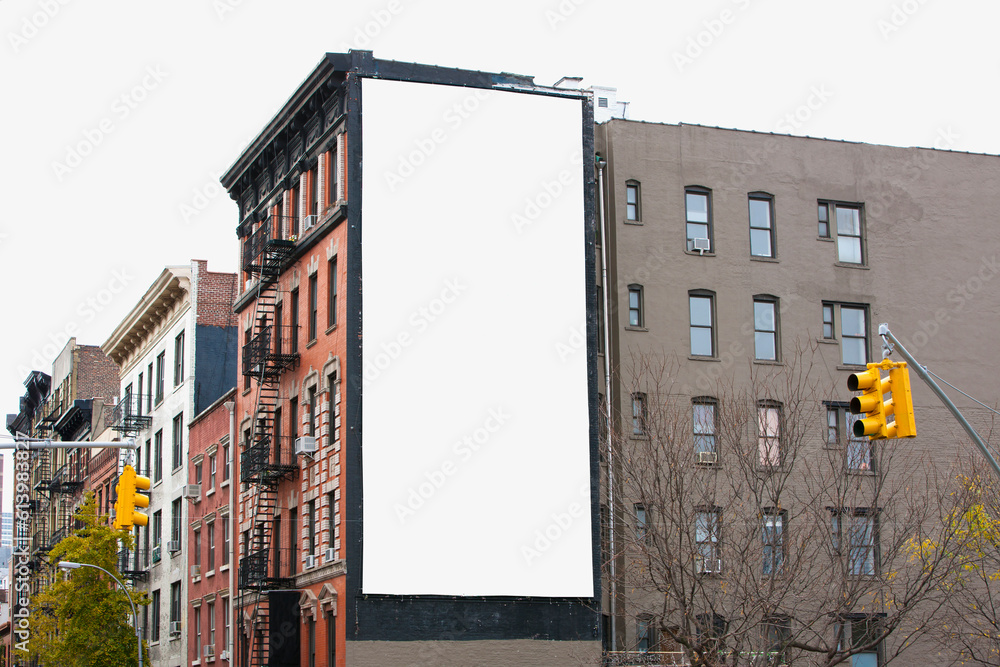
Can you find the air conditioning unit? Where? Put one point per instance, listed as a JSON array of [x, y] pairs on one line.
[[310, 562], [156, 554], [305, 445], [710, 566], [196, 570], [175, 627], [329, 555], [708, 457], [309, 222], [209, 651], [191, 492], [701, 245], [174, 546], [224, 655]]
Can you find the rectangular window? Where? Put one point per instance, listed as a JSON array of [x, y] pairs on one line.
[[246, 346], [293, 410], [331, 180], [312, 641], [279, 330], [138, 402], [859, 449], [698, 207], [155, 621], [331, 640], [293, 521], [179, 359], [828, 321], [331, 381], [638, 414], [702, 309], [769, 434], [225, 462], [226, 537], [632, 201], [210, 529], [161, 360], [158, 456], [833, 426], [864, 633], [641, 527], [197, 630], [332, 521], [311, 415], [761, 225], [854, 336], [635, 318], [175, 601], [644, 634], [777, 633], [225, 623], [197, 473], [294, 314], [765, 328], [175, 521], [849, 249], [178, 442], [311, 526], [704, 426], [773, 541], [824, 221], [861, 539], [149, 389], [211, 471], [313, 304], [331, 292], [706, 537], [293, 212], [157, 528], [210, 619], [197, 546]]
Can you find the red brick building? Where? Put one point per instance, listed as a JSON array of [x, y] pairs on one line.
[[210, 566]]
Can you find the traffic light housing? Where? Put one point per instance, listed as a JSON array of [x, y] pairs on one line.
[[877, 408], [129, 483]]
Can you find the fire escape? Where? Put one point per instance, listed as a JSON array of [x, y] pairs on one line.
[[128, 420], [266, 458]]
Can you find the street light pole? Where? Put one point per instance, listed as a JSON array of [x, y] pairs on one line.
[[70, 565]]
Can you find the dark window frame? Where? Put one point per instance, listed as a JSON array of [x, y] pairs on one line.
[[712, 326], [698, 190], [834, 232], [633, 209], [771, 235], [705, 401], [775, 333], [179, 359], [639, 321]]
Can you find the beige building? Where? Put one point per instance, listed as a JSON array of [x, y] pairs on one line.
[[747, 275]]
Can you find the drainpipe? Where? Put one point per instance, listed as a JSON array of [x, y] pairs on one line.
[[231, 406], [607, 395]]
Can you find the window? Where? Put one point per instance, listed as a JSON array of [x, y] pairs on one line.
[[178, 441], [331, 292], [138, 403], [295, 321], [704, 417], [706, 537], [293, 520], [865, 631], [773, 541], [149, 390], [246, 346], [765, 328], [225, 462], [698, 207], [161, 360], [769, 433], [292, 197], [210, 529], [761, 225], [210, 619], [331, 381], [293, 409], [313, 304], [859, 449], [833, 422], [225, 623], [197, 473], [853, 328], [632, 210], [711, 631], [311, 526], [155, 604], [777, 633], [641, 527], [311, 414], [848, 229], [331, 180], [861, 539], [644, 634], [175, 521], [197, 631], [211, 471], [158, 456], [635, 318], [179, 359], [331, 639], [702, 307], [279, 330], [175, 601], [226, 537], [638, 414], [157, 528], [197, 546], [332, 521], [312, 641]]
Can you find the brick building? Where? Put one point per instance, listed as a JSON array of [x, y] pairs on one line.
[[177, 353], [209, 493]]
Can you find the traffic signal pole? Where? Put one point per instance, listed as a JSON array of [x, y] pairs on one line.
[[890, 342]]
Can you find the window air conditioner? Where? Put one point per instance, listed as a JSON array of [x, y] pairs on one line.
[[710, 565], [309, 222], [701, 245], [305, 445], [175, 627], [708, 457], [310, 562], [173, 546], [209, 651], [191, 492], [196, 570], [329, 555], [224, 655]]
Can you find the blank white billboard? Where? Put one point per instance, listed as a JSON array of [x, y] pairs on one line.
[[475, 429]]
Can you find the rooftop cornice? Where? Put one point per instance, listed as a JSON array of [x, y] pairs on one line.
[[172, 286]]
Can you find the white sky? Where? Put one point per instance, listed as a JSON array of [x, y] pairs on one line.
[[78, 248]]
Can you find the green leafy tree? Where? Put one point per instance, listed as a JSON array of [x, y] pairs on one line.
[[84, 619]]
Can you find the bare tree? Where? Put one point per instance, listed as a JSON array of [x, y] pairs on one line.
[[759, 531]]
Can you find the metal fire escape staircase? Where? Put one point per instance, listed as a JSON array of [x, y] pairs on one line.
[[262, 466]]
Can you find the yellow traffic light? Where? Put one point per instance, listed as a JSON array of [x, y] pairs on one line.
[[877, 408], [128, 499]]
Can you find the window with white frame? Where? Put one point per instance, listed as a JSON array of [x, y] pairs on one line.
[[704, 416], [632, 201], [769, 434], [698, 216], [765, 328], [761, 224], [773, 541], [850, 321], [847, 228], [639, 414], [707, 534]]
